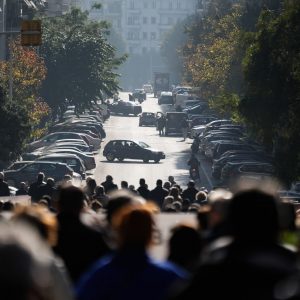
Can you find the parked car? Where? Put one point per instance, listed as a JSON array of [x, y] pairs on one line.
[[220, 163], [87, 158], [165, 98], [124, 149], [173, 122], [202, 129], [223, 147], [53, 137], [234, 170], [148, 119], [18, 164], [126, 108], [72, 160], [29, 172], [196, 109]]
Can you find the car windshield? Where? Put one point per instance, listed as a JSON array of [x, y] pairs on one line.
[[143, 145]]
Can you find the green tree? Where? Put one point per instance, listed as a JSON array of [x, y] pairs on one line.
[[272, 70], [81, 63]]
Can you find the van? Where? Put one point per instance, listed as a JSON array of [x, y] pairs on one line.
[[148, 88], [173, 122], [165, 98]]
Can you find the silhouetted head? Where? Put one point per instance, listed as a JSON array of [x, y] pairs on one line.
[[124, 184], [191, 184], [119, 199], [142, 181], [171, 179], [70, 200], [40, 177], [91, 184], [167, 185], [185, 246], [99, 190], [135, 228], [50, 182], [159, 182], [109, 178], [253, 217]]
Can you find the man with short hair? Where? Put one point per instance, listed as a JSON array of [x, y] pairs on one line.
[[108, 184], [143, 189], [190, 192], [33, 189], [159, 193]]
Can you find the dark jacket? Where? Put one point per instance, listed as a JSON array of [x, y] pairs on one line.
[[129, 275], [158, 195], [4, 189], [78, 245], [190, 193], [33, 190], [144, 192], [109, 186]]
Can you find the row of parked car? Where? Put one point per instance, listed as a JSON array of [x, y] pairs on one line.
[[68, 149], [232, 152]]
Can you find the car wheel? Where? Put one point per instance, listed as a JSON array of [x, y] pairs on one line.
[[146, 160], [120, 158], [156, 160], [166, 133], [110, 156]]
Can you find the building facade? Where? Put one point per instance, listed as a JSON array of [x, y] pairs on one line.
[[143, 23]]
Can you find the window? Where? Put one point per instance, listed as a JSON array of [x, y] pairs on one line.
[[144, 20], [153, 36], [145, 4], [153, 20], [131, 4], [145, 35], [130, 20], [153, 4], [31, 168], [170, 5]]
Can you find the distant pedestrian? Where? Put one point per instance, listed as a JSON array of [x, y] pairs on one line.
[[108, 184], [158, 194], [190, 192], [23, 190], [171, 180], [184, 128], [4, 189], [46, 189], [143, 189], [124, 184], [34, 187], [161, 124]]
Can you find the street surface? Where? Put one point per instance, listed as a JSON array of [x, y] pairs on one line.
[[177, 151]]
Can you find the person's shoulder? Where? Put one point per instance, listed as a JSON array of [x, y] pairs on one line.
[[169, 269]]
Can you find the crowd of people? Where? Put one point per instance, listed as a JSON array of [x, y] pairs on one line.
[[93, 243]]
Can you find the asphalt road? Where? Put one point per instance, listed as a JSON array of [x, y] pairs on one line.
[[177, 152]]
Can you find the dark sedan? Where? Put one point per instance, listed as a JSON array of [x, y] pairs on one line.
[[126, 149], [125, 108]]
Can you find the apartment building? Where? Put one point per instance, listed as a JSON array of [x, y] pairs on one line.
[[143, 23]]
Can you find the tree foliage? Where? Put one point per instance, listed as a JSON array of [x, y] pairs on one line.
[[20, 119], [272, 70], [81, 63]]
